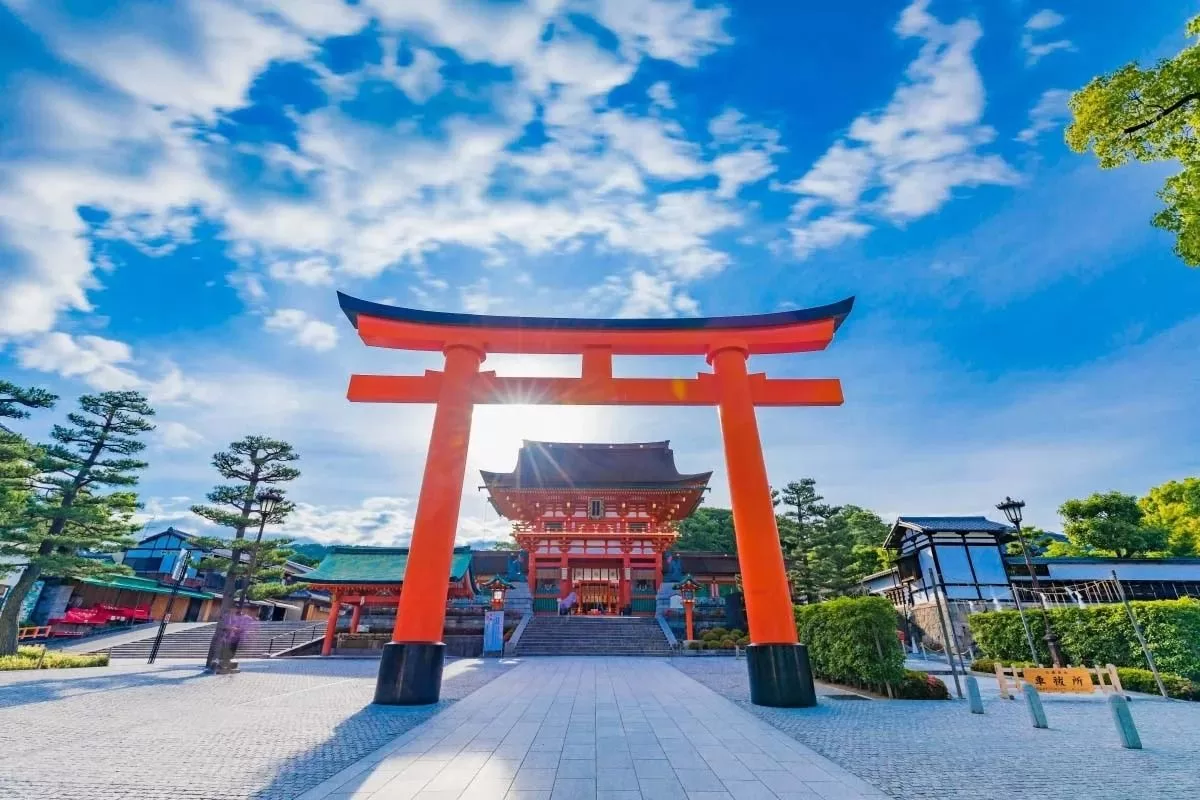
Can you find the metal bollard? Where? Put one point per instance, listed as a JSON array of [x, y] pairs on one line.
[[1124, 719], [973, 698], [1034, 701]]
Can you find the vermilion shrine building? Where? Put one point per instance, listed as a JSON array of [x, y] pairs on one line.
[[595, 520]]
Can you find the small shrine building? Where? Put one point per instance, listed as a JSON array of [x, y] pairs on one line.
[[595, 520]]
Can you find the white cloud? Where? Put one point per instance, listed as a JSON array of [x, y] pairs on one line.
[[306, 331], [657, 146], [641, 294], [660, 93], [176, 436], [96, 361], [1047, 114], [422, 78], [375, 521], [314, 271], [746, 151], [672, 30], [905, 161], [1033, 45]]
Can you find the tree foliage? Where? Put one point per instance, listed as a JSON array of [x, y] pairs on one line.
[[1175, 507], [1111, 523], [82, 503], [800, 530], [250, 465], [708, 529], [1150, 115]]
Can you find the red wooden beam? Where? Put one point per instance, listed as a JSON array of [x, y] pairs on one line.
[[489, 388]]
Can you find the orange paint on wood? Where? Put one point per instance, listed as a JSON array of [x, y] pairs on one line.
[[421, 612], [764, 576], [331, 625], [796, 337], [489, 388]]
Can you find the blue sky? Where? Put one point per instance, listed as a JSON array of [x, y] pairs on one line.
[[183, 187]]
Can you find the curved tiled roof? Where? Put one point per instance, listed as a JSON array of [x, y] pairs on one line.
[[562, 465]]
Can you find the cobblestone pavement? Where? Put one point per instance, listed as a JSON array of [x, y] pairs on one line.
[[594, 729], [930, 749], [170, 732]]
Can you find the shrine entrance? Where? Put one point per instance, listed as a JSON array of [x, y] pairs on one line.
[[598, 596], [410, 671]]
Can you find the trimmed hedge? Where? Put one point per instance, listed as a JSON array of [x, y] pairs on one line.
[[31, 657], [1100, 634], [852, 640]]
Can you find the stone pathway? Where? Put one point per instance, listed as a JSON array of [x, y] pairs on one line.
[[170, 732], [594, 729], [927, 749]]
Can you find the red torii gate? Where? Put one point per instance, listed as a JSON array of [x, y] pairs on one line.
[[411, 669]]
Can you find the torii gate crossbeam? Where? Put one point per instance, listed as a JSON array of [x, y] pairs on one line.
[[411, 667]]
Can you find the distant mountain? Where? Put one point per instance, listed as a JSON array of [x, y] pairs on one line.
[[311, 551]]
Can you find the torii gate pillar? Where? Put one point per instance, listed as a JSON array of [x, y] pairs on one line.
[[411, 668]]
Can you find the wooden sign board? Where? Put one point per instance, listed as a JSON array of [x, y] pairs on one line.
[[1065, 679]]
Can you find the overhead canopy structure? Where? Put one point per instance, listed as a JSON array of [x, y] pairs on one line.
[[129, 583], [345, 565]]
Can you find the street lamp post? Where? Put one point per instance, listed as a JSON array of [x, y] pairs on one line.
[[687, 590], [1012, 510], [267, 500]]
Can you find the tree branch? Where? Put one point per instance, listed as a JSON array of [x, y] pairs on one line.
[[1171, 109]]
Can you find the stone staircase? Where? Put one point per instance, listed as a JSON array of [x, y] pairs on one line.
[[592, 636], [194, 642]]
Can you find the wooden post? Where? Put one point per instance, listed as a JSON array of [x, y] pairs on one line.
[[687, 616], [421, 612], [355, 616], [335, 604], [760, 557]]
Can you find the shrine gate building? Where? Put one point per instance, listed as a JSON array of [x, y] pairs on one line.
[[595, 520]]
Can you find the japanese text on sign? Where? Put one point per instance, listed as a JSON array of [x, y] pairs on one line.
[[1066, 679]]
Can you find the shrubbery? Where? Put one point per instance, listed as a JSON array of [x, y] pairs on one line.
[[29, 657], [1101, 634], [852, 640], [920, 686]]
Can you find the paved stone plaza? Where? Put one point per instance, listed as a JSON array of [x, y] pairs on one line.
[[553, 728], [926, 749], [170, 732]]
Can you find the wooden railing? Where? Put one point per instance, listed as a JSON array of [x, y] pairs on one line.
[[33, 632]]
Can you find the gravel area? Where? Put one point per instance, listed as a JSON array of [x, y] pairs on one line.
[[137, 732], [937, 749]]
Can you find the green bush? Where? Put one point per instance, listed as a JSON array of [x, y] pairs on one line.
[[32, 657], [852, 640], [693, 645], [920, 686], [714, 634], [1100, 634], [1142, 680], [727, 644]]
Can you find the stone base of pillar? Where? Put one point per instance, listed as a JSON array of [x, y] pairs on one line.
[[780, 676], [410, 674]]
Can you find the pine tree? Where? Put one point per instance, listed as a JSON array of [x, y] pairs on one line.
[[799, 532], [68, 516], [251, 464], [16, 453]]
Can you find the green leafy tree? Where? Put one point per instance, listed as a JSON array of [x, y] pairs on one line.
[[15, 401], [799, 530], [708, 529], [1150, 115], [17, 455], [847, 548], [1040, 543], [250, 465], [70, 515], [1111, 523], [1175, 507]]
